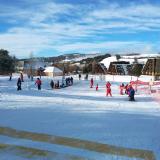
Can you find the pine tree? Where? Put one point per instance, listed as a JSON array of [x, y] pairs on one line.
[[7, 62]]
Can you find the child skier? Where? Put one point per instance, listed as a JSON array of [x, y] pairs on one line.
[[97, 87], [121, 87], [38, 83], [21, 75], [10, 77], [91, 83], [19, 84], [108, 89]]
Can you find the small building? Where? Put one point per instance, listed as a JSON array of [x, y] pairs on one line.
[[52, 71], [152, 68], [119, 68]]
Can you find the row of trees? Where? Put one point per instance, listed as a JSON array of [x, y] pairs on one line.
[[7, 62]]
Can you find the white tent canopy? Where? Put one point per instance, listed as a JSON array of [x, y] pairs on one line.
[[53, 71]]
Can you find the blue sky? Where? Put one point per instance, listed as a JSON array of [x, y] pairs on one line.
[[53, 27]]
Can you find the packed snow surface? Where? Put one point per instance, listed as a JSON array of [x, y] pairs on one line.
[[79, 112]]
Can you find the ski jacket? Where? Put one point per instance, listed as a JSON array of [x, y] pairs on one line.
[[38, 82], [108, 85]]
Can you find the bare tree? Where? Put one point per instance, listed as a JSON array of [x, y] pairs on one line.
[[31, 60]]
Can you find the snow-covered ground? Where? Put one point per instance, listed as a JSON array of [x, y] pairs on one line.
[[77, 121]]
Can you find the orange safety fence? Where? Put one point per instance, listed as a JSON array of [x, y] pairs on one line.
[[138, 82], [146, 88]]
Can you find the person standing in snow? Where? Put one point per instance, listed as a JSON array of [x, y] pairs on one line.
[[57, 85], [38, 83], [97, 87], [86, 78], [21, 75], [79, 76], [91, 83], [150, 85], [10, 77], [66, 82], [71, 80], [19, 84], [131, 94], [108, 89], [52, 84], [121, 87]]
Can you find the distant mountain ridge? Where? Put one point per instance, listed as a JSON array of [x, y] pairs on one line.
[[82, 57], [72, 57]]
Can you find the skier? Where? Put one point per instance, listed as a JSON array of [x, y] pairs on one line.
[[71, 80], [10, 77], [86, 78], [91, 83], [67, 82], [108, 89], [121, 88], [57, 85], [131, 94], [19, 84], [52, 84], [38, 83], [79, 76], [97, 87]]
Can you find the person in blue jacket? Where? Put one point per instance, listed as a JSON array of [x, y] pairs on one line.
[[19, 84], [131, 94]]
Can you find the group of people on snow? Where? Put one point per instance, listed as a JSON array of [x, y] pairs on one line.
[[124, 89], [38, 82], [54, 85], [65, 83], [108, 87], [128, 88], [69, 81], [92, 83]]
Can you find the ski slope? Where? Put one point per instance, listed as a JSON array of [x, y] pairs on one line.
[[76, 122]]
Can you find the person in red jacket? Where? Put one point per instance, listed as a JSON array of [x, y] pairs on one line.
[[108, 89], [38, 83], [121, 87], [91, 83], [97, 87]]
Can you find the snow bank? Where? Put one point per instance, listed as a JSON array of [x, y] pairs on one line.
[[108, 60]]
